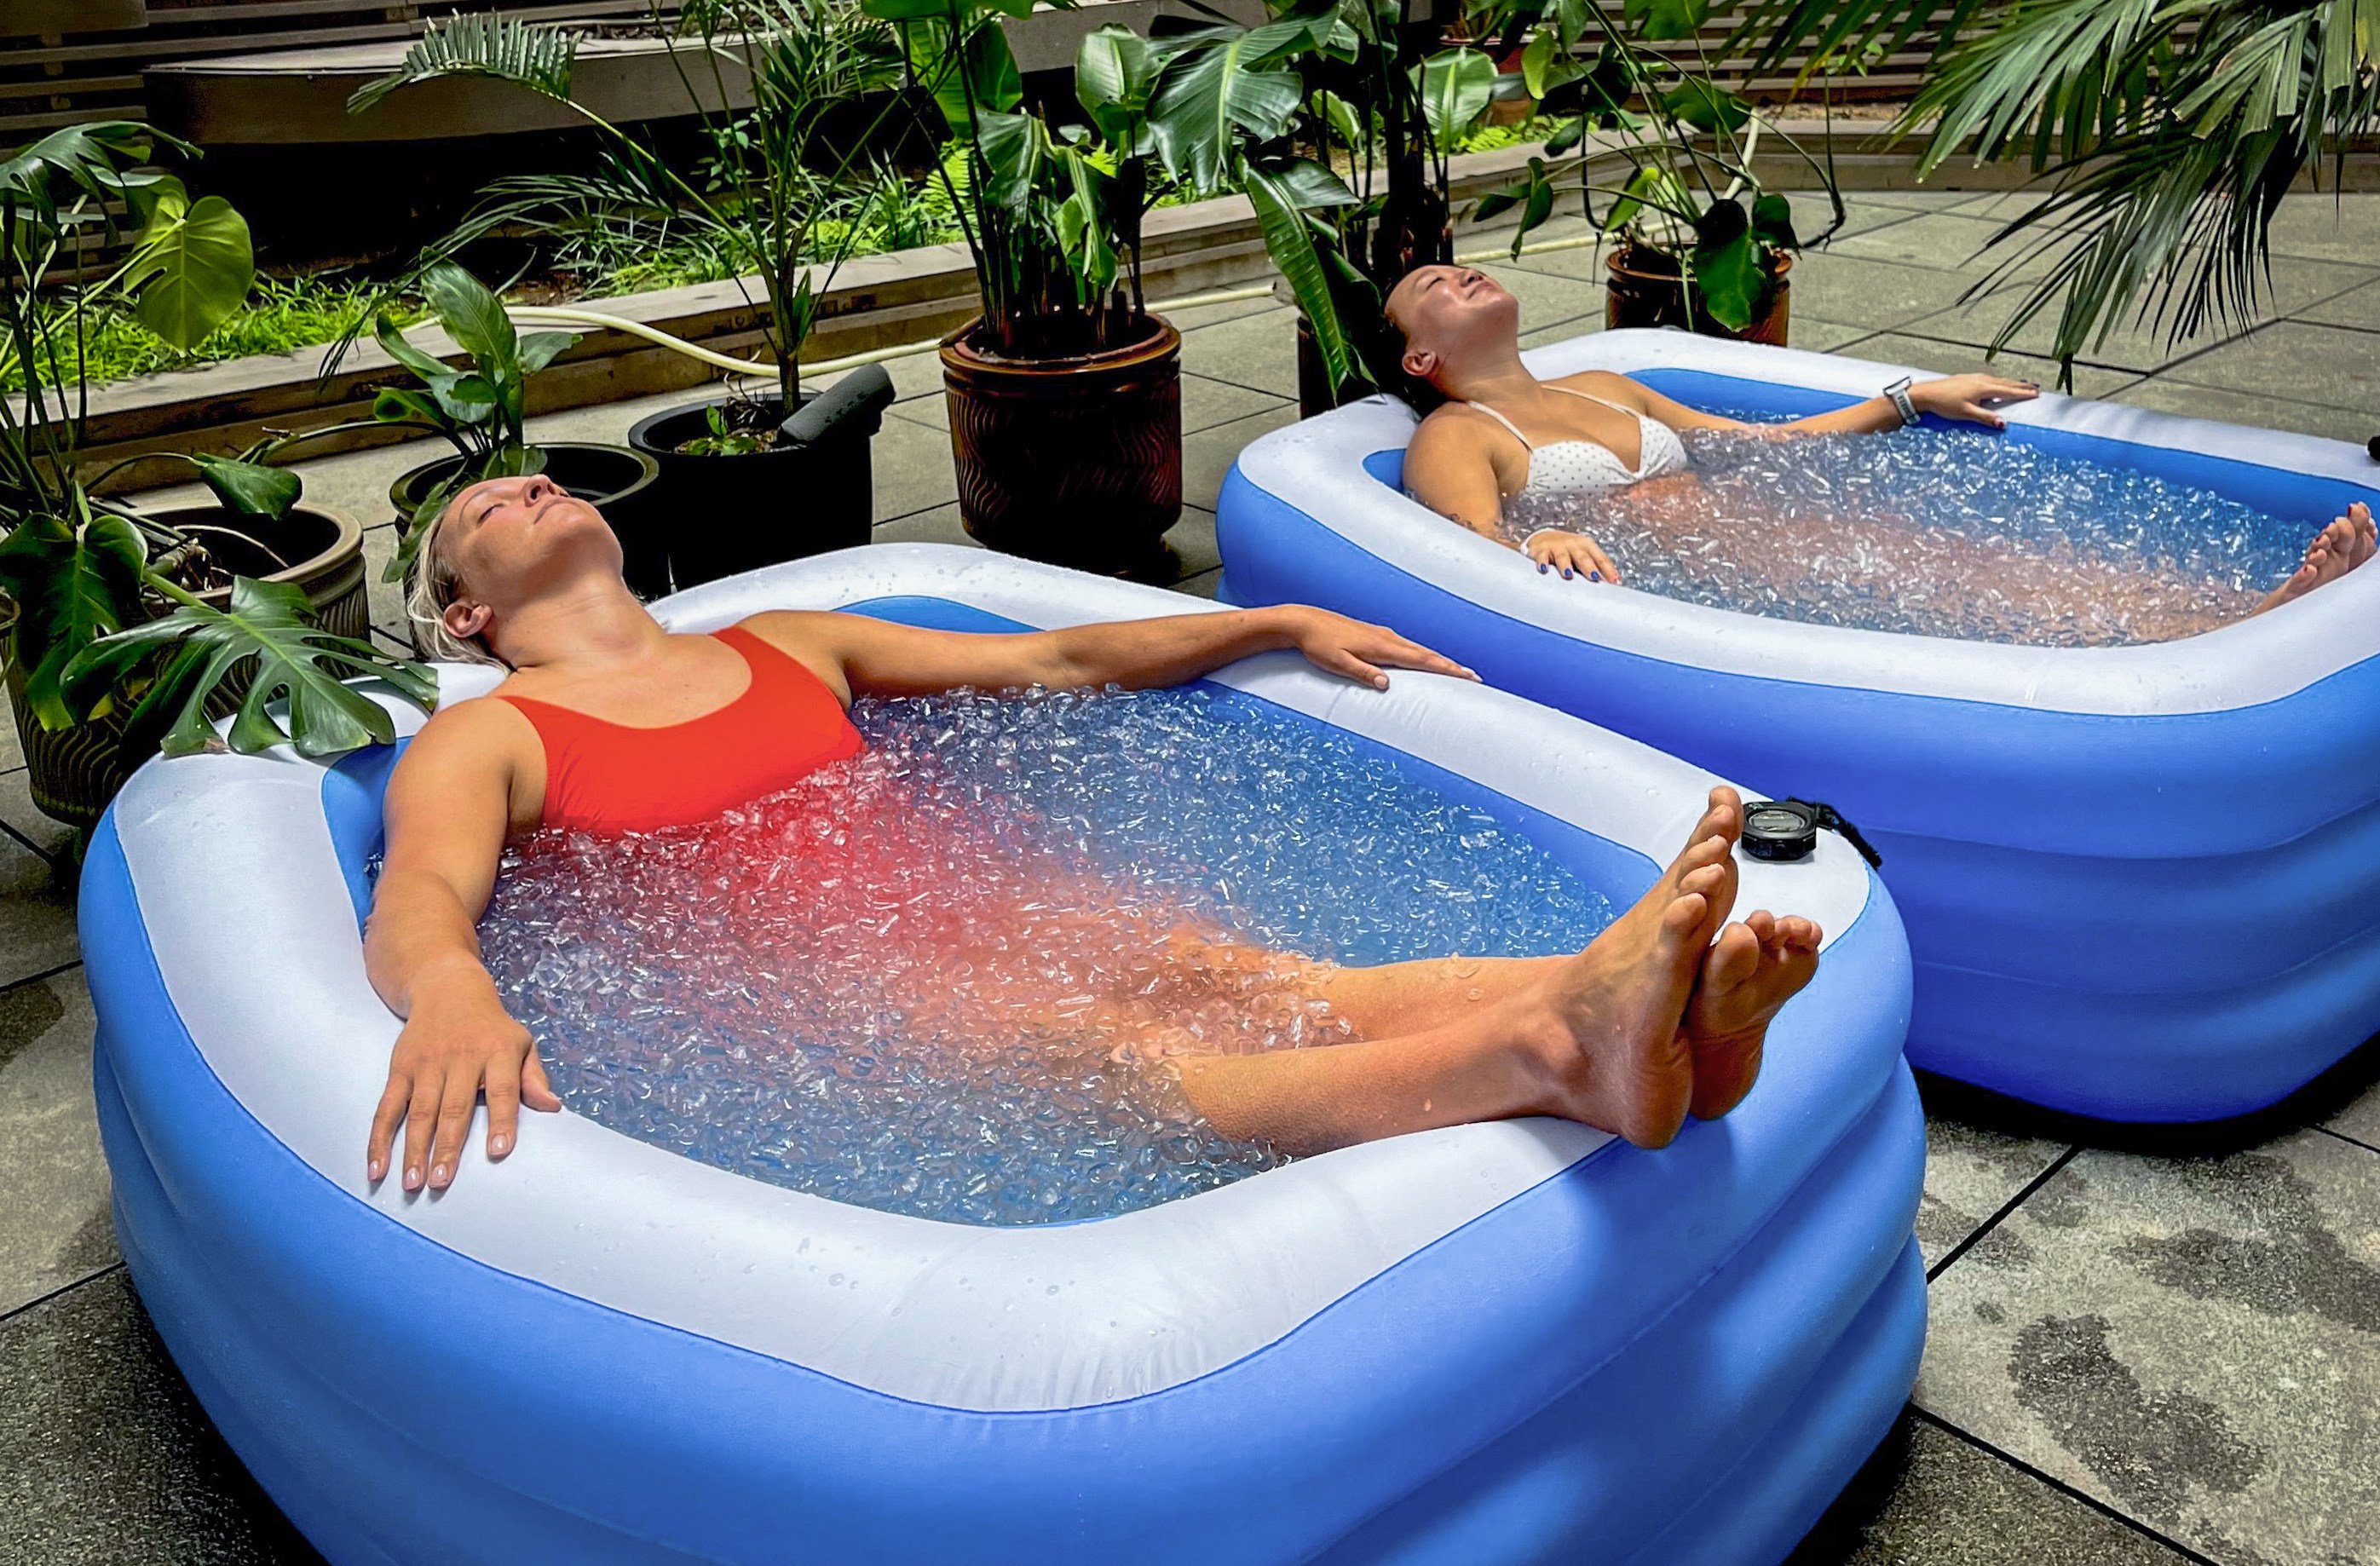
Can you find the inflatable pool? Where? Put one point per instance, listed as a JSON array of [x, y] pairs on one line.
[[2141, 882], [1495, 1343]]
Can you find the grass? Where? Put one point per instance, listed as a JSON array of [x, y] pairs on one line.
[[281, 316]]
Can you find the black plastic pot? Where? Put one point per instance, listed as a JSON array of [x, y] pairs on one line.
[[731, 514], [616, 481]]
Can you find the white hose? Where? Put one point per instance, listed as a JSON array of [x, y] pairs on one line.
[[566, 315]]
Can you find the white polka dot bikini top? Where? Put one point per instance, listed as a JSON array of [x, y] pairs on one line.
[[1563, 467]]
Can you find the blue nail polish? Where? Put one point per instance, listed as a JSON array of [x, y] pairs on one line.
[[1541, 567], [1567, 573], [1595, 575]]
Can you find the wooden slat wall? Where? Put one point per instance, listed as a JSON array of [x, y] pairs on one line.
[[51, 79], [1728, 58]]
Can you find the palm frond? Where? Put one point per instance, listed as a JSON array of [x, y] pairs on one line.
[[483, 44]]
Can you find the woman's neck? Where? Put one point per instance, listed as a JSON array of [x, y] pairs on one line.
[[585, 629], [1495, 377]]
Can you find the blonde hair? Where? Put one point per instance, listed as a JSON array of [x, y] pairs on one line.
[[429, 589]]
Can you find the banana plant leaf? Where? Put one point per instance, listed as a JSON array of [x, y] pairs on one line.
[[71, 584], [1113, 77], [1725, 264], [1659, 20], [1291, 245], [1220, 83], [1457, 85], [294, 661]]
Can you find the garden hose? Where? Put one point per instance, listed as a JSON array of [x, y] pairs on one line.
[[566, 315]]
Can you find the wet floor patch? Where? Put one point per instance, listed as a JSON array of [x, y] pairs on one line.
[[2191, 1341]]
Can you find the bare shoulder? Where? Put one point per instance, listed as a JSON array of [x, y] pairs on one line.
[[468, 735], [1452, 430]]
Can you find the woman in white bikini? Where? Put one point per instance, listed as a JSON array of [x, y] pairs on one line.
[[1505, 434]]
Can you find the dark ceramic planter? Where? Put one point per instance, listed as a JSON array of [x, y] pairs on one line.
[[735, 513], [616, 481], [72, 773], [1643, 289], [1076, 461]]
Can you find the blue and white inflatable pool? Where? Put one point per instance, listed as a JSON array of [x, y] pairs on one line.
[[1495, 1343], [2141, 882]]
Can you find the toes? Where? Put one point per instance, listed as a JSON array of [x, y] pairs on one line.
[[1763, 925], [1685, 913], [1734, 958], [1801, 934]]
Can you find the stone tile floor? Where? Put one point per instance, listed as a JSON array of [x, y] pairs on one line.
[[2134, 1357]]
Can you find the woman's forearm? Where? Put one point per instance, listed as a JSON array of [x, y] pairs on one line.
[[1872, 416], [1143, 654]]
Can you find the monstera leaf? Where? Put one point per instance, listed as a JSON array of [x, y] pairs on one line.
[[265, 629], [71, 583], [192, 266]]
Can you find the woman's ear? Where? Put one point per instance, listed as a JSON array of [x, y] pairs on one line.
[[466, 619], [1419, 363]]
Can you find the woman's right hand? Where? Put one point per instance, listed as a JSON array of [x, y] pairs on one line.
[[1574, 554], [457, 1040]]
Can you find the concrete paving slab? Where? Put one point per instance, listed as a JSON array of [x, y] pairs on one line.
[[1958, 359], [37, 923], [1940, 241], [938, 525], [1256, 351], [52, 839], [2323, 364], [1192, 539], [2338, 421], [1859, 291], [1954, 1504], [2191, 1341], [1208, 456], [2297, 285], [1970, 1172], [2327, 227], [913, 469], [2361, 1120], [106, 1460], [54, 1227], [2358, 307]]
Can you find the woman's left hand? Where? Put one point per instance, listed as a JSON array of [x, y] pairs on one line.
[[1337, 645], [1971, 398]]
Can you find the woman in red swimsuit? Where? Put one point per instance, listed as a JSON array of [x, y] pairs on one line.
[[609, 722]]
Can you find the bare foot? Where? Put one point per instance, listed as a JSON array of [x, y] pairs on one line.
[[1604, 1027], [2339, 548], [1748, 975]]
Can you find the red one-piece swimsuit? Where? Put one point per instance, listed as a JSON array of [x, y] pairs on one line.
[[607, 777]]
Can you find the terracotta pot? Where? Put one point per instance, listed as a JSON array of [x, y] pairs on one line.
[[1076, 461], [616, 481], [74, 772], [1643, 289], [741, 513]]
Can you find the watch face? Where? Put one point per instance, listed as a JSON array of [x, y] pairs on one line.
[[1773, 822]]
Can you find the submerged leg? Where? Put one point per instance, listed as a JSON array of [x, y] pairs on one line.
[[1599, 1039]]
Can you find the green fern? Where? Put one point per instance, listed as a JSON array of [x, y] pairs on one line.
[[485, 44]]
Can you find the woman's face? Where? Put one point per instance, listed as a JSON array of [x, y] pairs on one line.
[[511, 539], [1444, 311]]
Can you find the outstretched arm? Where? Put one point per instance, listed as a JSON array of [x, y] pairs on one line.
[[875, 657], [448, 809], [1972, 399]]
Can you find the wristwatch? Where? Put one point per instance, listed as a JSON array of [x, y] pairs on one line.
[[1902, 402]]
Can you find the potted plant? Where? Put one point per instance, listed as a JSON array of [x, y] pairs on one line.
[[128, 629], [477, 409], [1065, 392], [773, 178], [2167, 133], [1336, 119], [1700, 245]]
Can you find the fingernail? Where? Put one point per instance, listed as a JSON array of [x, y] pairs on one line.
[[1379, 682], [438, 1174], [499, 1143], [375, 1168], [1567, 573], [1595, 575], [1541, 568], [413, 1177]]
